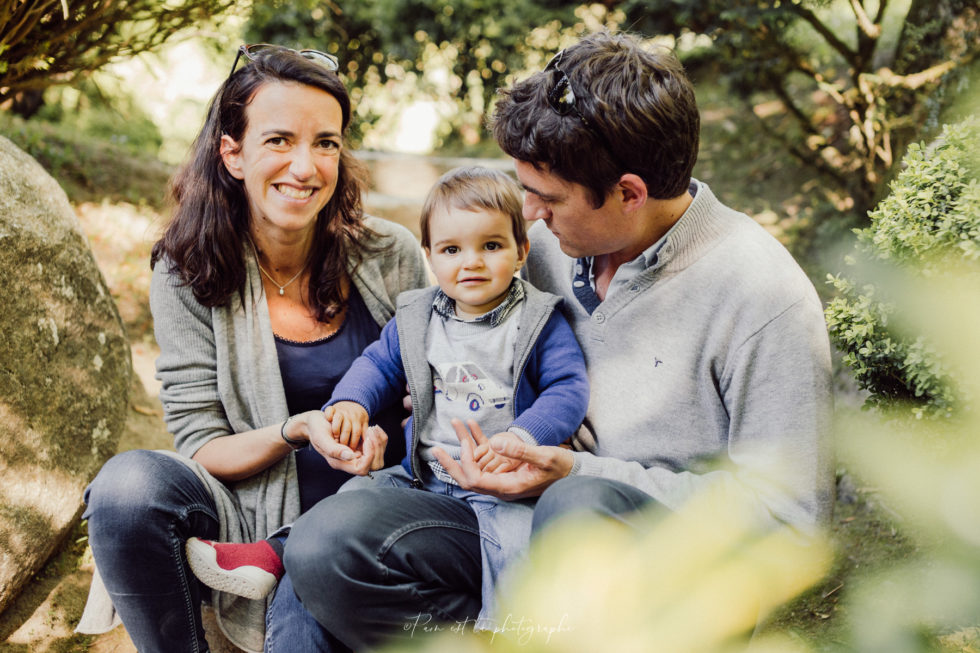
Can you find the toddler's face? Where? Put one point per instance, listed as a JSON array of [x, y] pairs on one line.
[[474, 256]]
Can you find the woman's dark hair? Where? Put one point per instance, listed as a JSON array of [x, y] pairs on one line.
[[639, 101], [205, 240]]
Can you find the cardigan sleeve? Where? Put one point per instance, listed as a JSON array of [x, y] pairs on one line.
[[397, 267], [187, 365]]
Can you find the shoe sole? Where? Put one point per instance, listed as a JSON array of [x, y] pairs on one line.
[[250, 582]]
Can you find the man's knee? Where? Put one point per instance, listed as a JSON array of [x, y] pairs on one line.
[[587, 495], [328, 542]]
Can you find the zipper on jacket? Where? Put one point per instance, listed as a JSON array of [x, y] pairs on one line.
[[416, 480]]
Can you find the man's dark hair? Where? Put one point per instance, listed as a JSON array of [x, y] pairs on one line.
[[638, 99]]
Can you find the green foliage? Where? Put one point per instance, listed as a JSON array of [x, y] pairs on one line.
[[87, 168], [48, 42], [857, 80], [479, 43], [930, 220], [114, 117]]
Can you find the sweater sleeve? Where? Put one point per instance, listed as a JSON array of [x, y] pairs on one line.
[[562, 385], [776, 389], [187, 365], [376, 378]]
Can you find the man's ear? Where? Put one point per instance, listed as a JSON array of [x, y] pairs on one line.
[[231, 156], [522, 251], [632, 192]]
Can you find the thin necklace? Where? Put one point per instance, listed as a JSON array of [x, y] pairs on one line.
[[282, 288]]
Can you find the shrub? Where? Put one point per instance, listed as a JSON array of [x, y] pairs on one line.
[[929, 221], [90, 169]]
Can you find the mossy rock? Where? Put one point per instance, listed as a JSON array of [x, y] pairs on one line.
[[65, 368]]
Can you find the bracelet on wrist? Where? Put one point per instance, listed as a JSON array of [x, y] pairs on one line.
[[293, 444]]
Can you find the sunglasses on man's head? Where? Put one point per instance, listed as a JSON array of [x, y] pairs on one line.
[[561, 98], [255, 50]]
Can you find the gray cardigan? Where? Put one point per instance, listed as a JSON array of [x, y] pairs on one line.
[[220, 375]]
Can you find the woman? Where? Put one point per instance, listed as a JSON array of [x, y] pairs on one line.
[[267, 283]]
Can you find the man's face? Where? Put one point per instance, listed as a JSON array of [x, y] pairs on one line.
[[567, 210]]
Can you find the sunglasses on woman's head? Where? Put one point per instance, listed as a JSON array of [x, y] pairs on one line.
[[253, 51], [561, 98]]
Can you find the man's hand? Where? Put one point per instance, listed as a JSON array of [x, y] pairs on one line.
[[538, 468]]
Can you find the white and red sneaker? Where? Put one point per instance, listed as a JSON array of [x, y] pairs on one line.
[[250, 570]]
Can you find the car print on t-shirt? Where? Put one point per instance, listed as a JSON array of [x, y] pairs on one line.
[[468, 382]]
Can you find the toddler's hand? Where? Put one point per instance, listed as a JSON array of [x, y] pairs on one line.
[[348, 423], [492, 462]]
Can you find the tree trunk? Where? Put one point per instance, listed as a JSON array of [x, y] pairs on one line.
[[27, 103]]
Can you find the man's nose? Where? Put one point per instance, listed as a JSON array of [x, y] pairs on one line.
[[534, 209]]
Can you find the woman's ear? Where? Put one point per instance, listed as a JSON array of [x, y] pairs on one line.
[[231, 156]]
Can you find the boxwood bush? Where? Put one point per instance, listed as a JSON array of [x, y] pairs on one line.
[[929, 221]]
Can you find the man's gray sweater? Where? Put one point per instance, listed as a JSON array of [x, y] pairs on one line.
[[710, 368]]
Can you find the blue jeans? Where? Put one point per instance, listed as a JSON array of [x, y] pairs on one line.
[[397, 560], [591, 495], [505, 527], [141, 508], [383, 561]]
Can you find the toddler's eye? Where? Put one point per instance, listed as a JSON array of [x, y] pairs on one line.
[[493, 245]]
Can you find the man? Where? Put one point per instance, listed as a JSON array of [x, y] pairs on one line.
[[705, 344]]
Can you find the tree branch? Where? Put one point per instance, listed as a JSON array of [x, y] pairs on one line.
[[806, 157], [915, 80], [821, 29], [882, 5], [869, 27], [25, 24], [804, 120]]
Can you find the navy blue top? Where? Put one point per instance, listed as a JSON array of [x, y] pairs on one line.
[[310, 370]]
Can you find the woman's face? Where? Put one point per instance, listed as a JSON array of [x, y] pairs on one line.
[[288, 156]]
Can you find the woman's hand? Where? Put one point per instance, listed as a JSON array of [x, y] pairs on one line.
[[376, 441], [538, 466], [367, 456]]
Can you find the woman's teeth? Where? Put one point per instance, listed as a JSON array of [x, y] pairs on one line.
[[295, 193]]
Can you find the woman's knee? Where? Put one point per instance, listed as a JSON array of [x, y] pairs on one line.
[[134, 483], [122, 482]]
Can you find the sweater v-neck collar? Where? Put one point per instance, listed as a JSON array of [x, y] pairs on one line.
[[694, 233]]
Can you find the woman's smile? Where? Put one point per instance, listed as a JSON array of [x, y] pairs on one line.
[[288, 157]]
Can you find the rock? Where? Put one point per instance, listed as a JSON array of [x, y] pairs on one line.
[[64, 368]]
